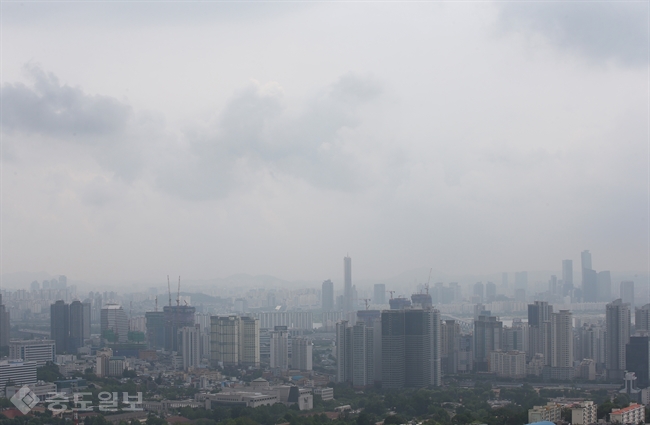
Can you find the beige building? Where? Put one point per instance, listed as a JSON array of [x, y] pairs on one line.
[[584, 413], [511, 364], [552, 412], [235, 341], [633, 414]]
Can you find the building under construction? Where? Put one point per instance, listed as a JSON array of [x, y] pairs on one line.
[[176, 317]]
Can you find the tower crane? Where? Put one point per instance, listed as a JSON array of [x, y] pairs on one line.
[[366, 300], [169, 289], [178, 295], [391, 294]]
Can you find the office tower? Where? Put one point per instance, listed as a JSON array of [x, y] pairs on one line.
[[176, 318], [642, 318], [627, 292], [280, 348], [465, 353], [567, 277], [585, 259], [479, 295], [40, 351], [562, 340], [361, 347], [490, 292], [79, 325], [392, 349], [539, 330], [521, 280], [348, 305], [60, 325], [637, 359], [379, 294], [327, 295], [604, 284], [5, 327], [450, 331], [235, 341], [515, 337], [190, 346], [617, 319], [411, 342], [224, 340], [552, 286], [249, 342], [155, 328], [114, 324], [488, 333], [301, 353], [342, 357]]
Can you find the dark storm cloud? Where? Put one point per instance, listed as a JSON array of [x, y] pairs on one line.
[[49, 108], [256, 133], [597, 30]]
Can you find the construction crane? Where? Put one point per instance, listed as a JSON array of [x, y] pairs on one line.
[[178, 295], [169, 289], [366, 300], [156, 308], [391, 294]]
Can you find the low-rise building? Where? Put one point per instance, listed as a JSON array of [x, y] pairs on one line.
[[510, 364], [40, 351], [325, 393], [18, 372], [552, 412], [632, 414], [41, 389], [584, 413], [286, 394]]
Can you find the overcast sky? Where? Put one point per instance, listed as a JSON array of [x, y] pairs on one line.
[[206, 139]]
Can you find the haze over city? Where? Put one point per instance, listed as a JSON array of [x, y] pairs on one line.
[[213, 139]]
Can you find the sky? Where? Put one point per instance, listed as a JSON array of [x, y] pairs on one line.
[[205, 139]]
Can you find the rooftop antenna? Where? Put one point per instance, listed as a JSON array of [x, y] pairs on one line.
[[169, 289], [178, 296]]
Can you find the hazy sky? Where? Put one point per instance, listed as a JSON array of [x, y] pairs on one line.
[[206, 139]]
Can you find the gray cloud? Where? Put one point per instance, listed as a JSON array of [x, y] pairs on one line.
[[256, 134], [597, 30], [50, 108]]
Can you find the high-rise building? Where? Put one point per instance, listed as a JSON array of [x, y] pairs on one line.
[[539, 330], [490, 292], [235, 341], [479, 293], [301, 353], [327, 295], [176, 318], [411, 340], [40, 351], [585, 259], [79, 325], [342, 357], [617, 319], [379, 294], [627, 292], [224, 340], [567, 277], [521, 280], [114, 324], [562, 339], [5, 328], [604, 284], [60, 326], [488, 333], [449, 350], [589, 279], [190, 346], [361, 347], [280, 348], [17, 371], [155, 328], [552, 286], [348, 305], [637, 359], [249, 342], [642, 318]]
